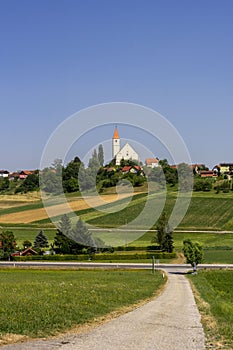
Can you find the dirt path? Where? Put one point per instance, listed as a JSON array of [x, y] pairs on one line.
[[170, 322]]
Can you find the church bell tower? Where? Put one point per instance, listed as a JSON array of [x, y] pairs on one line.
[[116, 146]]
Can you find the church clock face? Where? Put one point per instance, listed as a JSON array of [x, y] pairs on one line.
[[115, 141]]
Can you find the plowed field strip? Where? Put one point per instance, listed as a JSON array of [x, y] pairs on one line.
[[40, 214]]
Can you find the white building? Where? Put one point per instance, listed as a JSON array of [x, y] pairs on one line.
[[126, 152], [152, 162]]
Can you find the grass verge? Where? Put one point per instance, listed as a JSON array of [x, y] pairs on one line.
[[40, 303], [213, 291]]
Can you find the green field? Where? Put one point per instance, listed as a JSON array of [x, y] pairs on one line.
[[204, 213], [207, 211], [38, 303], [216, 289], [218, 256]]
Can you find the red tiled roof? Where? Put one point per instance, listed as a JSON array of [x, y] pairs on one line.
[[27, 172], [126, 168], [208, 173], [29, 251], [149, 161]]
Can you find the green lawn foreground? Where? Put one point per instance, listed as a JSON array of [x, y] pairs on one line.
[[216, 306], [39, 303]]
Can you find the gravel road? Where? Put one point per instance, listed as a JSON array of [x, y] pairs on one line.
[[171, 321]]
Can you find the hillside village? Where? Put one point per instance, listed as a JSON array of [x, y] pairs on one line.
[[125, 164]]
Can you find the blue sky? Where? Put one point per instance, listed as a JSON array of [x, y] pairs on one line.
[[60, 56]]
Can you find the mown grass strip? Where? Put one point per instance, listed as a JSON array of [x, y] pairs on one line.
[[39, 303]]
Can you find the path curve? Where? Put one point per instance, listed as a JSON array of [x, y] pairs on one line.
[[171, 321]]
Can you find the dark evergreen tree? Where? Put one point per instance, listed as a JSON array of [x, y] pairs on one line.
[[63, 242], [41, 240], [82, 236]]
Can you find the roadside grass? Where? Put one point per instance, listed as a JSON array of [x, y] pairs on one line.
[[40, 303], [214, 299]]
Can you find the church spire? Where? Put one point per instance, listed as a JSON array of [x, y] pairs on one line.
[[116, 143], [115, 134]]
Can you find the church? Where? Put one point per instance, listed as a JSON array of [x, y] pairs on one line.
[[126, 152]]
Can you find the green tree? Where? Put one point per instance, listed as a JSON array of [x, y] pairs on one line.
[[82, 236], [101, 155], [185, 175], [202, 184], [27, 244], [164, 235], [63, 243], [41, 240], [193, 252], [31, 183], [7, 244], [4, 184], [88, 177], [170, 173], [51, 178], [70, 175]]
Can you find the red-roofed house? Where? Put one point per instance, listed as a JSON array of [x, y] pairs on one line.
[[152, 162], [24, 173], [134, 169], [208, 173]]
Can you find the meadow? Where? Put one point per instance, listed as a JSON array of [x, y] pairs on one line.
[[207, 211], [40, 303], [214, 299]]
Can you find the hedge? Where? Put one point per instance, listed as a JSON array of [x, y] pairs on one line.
[[96, 257]]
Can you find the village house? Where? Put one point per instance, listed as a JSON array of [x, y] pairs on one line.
[[13, 176], [24, 174], [224, 168], [26, 252], [152, 162], [134, 169], [4, 173], [208, 173]]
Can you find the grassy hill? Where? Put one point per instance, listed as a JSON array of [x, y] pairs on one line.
[[204, 213]]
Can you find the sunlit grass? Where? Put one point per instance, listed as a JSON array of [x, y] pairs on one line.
[[39, 303]]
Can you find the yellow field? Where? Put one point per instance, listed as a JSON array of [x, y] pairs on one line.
[[28, 216], [9, 201]]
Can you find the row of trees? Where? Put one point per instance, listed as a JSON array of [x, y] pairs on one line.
[[67, 240], [79, 240]]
